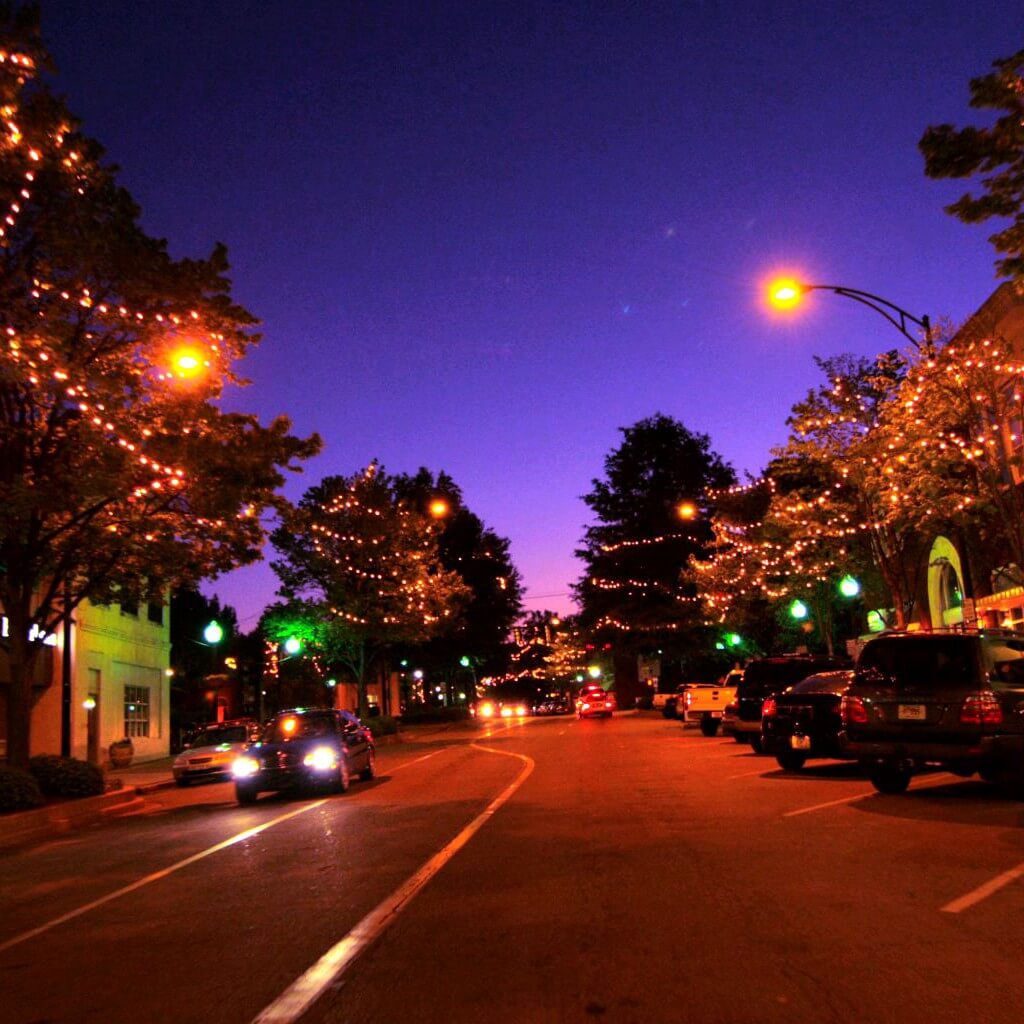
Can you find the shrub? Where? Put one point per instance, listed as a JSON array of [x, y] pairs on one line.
[[66, 776], [382, 725], [18, 790]]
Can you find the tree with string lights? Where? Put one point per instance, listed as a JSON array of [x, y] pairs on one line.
[[651, 520], [119, 476], [368, 562], [954, 450]]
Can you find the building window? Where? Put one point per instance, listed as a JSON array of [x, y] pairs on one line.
[[136, 711], [155, 612], [129, 607]]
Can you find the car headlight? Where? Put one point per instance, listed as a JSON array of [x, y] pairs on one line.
[[506, 712], [245, 767], [321, 759], [521, 710], [486, 710]]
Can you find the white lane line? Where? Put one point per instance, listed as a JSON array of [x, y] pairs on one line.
[[157, 875], [309, 986], [983, 891], [170, 870], [924, 784]]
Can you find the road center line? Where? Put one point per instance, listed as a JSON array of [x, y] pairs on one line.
[[171, 869], [983, 891], [309, 986], [944, 776]]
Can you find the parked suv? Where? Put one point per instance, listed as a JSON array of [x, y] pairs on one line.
[[764, 677], [951, 699]]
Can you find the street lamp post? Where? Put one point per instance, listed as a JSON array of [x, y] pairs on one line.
[[787, 293]]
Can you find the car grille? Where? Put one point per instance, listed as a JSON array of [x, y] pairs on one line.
[[280, 759], [200, 760]]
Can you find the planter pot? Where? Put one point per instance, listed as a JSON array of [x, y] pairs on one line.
[[121, 753]]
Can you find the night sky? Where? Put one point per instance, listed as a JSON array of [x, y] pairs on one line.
[[482, 237]]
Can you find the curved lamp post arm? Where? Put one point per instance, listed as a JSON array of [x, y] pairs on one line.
[[896, 315]]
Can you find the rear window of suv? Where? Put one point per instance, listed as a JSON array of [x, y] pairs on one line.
[[917, 661], [777, 675]]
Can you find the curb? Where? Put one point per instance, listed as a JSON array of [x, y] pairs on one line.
[[45, 822]]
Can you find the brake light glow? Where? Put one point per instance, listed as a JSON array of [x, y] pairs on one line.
[[981, 709], [769, 708], [852, 709]]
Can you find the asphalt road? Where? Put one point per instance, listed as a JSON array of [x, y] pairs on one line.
[[620, 870]]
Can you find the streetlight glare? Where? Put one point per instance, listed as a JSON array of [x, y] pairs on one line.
[[785, 292], [439, 508], [686, 510], [187, 362], [213, 633]]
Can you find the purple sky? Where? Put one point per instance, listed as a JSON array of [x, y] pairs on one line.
[[483, 237]]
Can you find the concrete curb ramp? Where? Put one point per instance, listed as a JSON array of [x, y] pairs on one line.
[[45, 822]]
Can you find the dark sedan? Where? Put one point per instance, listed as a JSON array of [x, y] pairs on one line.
[[313, 748], [804, 721]]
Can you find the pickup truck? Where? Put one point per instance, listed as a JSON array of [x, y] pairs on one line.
[[705, 702], [668, 703]]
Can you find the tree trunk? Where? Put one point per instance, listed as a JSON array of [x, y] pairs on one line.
[[21, 660]]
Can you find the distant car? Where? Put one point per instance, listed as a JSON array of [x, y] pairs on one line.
[[592, 703], [804, 721], [553, 704], [949, 699], [212, 749], [511, 699], [311, 748]]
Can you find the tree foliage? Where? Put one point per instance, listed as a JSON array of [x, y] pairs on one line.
[[367, 562], [995, 152], [118, 477], [636, 551]]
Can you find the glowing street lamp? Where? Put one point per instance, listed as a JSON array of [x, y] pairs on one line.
[[686, 510], [187, 362], [292, 645], [213, 633], [438, 508], [798, 610], [785, 293], [849, 586]]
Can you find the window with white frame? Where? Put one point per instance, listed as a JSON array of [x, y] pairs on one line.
[[136, 711]]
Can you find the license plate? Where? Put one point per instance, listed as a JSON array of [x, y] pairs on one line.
[[911, 712], [800, 742]]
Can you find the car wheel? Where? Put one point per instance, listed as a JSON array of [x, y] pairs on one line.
[[709, 726], [757, 744], [371, 767], [791, 760], [245, 795], [890, 778], [344, 779]]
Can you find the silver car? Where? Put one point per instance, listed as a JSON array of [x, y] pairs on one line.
[[212, 750]]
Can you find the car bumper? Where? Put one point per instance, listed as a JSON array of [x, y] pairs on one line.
[[986, 749], [742, 728]]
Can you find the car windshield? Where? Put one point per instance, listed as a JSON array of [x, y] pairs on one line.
[[225, 734], [776, 675], [299, 726]]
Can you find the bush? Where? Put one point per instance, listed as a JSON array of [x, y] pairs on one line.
[[382, 725], [18, 790], [66, 776]]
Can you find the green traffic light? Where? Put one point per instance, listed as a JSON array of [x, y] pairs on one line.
[[292, 645], [464, 661], [214, 632], [734, 639], [849, 587], [798, 610]]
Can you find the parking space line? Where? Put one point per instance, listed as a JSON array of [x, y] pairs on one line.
[[983, 891], [745, 775], [309, 986], [924, 784]]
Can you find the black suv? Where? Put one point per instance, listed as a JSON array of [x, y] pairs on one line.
[[764, 677], [951, 699]]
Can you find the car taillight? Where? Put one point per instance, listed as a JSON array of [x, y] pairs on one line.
[[688, 698], [731, 709], [769, 708], [981, 709], [852, 710]]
